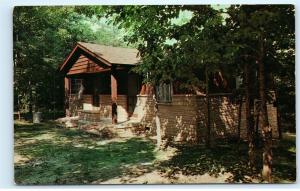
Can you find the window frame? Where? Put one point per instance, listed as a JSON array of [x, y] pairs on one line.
[[164, 93], [75, 82]]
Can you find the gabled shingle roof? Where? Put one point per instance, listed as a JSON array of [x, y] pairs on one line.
[[114, 55]]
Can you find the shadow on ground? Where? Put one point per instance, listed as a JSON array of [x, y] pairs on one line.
[[216, 161], [74, 157], [232, 158], [70, 156]]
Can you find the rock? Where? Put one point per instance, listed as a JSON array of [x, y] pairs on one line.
[[68, 122], [65, 119]]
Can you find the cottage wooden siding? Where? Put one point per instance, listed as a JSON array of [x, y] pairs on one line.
[[84, 65]]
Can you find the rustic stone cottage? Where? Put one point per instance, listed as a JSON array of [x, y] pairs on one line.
[[100, 85]]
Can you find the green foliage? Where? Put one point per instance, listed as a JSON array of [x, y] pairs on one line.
[[273, 28], [173, 40], [43, 36], [108, 34], [176, 43]]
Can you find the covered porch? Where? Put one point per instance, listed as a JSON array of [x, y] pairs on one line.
[[99, 84]]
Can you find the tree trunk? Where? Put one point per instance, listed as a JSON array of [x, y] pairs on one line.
[[157, 123], [240, 119], [208, 125], [30, 104], [257, 138], [208, 136], [266, 128], [278, 112], [249, 118]]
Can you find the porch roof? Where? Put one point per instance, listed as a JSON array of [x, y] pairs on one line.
[[102, 55], [114, 55]]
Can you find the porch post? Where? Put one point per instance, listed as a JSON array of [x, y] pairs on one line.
[[114, 94], [67, 93]]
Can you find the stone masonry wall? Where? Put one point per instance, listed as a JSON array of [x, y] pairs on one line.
[[144, 111], [185, 119], [224, 117], [122, 108], [105, 106], [179, 119]]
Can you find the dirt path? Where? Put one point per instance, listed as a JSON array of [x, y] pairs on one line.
[[156, 177]]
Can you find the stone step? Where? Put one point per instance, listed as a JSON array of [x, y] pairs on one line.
[[125, 129]]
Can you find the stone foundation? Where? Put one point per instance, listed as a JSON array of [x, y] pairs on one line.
[[91, 116], [103, 110]]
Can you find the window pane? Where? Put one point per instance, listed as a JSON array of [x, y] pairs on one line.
[[164, 93], [75, 85]]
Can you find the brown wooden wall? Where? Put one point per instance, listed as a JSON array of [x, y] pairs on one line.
[[84, 65]]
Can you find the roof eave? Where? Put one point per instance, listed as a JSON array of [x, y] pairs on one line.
[[78, 45]]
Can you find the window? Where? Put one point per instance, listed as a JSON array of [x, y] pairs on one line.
[[164, 93], [238, 82], [75, 85]]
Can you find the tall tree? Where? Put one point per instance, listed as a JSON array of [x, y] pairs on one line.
[[239, 55], [265, 32], [174, 49], [200, 42], [43, 36]]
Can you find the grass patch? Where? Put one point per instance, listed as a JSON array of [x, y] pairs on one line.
[[74, 157], [284, 164], [70, 156]]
